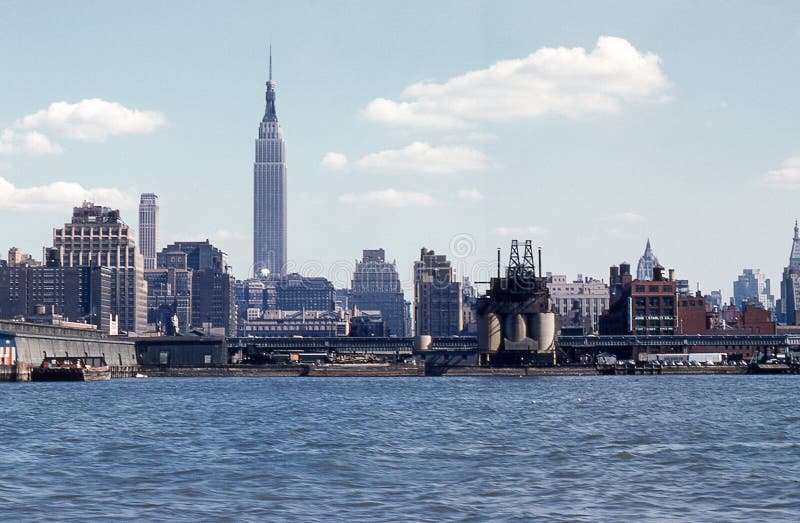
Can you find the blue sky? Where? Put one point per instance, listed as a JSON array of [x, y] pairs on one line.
[[585, 126]]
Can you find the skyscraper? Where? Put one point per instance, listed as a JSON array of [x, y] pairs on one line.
[[644, 271], [790, 284], [148, 228], [753, 286], [437, 296], [376, 287], [269, 198], [97, 236]]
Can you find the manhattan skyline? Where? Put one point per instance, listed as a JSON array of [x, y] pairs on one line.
[[674, 122]]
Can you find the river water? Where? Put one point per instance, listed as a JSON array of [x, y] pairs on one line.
[[606, 448]]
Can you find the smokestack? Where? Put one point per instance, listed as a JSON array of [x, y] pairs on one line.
[[672, 275], [498, 263], [540, 262]]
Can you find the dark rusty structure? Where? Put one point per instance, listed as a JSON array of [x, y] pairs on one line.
[[516, 322]]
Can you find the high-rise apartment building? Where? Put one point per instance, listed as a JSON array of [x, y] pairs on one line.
[[148, 228], [97, 237], [269, 196], [437, 296], [376, 287]]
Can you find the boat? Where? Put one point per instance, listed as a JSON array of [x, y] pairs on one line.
[[68, 368]]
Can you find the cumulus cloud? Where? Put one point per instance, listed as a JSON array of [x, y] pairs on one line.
[[31, 142], [470, 195], [388, 198], [420, 157], [563, 81], [92, 119], [518, 231], [59, 196], [628, 217], [417, 157], [787, 176], [334, 161]]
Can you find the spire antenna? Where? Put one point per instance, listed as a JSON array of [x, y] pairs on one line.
[[270, 61]]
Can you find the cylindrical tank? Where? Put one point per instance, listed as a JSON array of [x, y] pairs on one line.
[[422, 342], [546, 330], [495, 332], [515, 327]]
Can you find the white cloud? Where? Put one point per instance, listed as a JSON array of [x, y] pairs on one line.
[[31, 142], [787, 176], [334, 161], [518, 231], [628, 217], [568, 82], [59, 196], [420, 157], [388, 198], [92, 119], [470, 195]]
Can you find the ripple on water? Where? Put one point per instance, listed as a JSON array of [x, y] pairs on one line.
[[466, 449]]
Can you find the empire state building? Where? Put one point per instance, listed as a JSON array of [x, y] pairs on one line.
[[269, 197]]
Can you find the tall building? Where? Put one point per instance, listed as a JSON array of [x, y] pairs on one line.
[[213, 289], [437, 296], [753, 286], [578, 303], [648, 261], [269, 197], [148, 228], [376, 287], [790, 284], [97, 236]]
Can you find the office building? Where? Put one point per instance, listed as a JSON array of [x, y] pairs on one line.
[[376, 287], [269, 192], [148, 229], [97, 237], [647, 263], [437, 296], [752, 286]]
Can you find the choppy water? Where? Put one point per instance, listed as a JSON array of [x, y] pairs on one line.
[[691, 448]]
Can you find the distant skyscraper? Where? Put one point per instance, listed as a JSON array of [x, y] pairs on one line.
[[376, 287], [269, 198], [148, 228], [437, 296], [790, 284], [753, 287], [644, 271]]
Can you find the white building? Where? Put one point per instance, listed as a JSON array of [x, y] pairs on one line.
[[578, 303]]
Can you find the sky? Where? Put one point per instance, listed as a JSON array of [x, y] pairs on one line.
[[586, 127]]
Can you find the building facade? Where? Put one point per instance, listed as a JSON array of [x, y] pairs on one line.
[[97, 237], [376, 287], [578, 303], [437, 296], [213, 289], [148, 229], [642, 307], [269, 192], [78, 294], [648, 261]]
